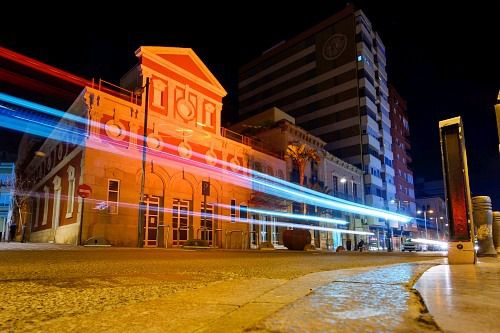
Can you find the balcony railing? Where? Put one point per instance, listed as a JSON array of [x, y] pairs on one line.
[[252, 142], [117, 91]]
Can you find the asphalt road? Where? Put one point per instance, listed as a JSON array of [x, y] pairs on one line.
[[44, 284]]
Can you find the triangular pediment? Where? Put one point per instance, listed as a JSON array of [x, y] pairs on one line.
[[185, 62]]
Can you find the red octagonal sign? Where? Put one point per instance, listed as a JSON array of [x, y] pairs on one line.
[[84, 190]]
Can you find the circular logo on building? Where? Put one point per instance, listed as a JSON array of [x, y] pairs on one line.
[[334, 46]]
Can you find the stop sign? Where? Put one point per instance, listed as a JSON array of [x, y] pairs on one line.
[[84, 190]]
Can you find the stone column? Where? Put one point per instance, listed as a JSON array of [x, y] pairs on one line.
[[483, 219], [496, 230]]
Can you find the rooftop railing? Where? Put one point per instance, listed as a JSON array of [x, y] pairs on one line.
[[117, 91], [252, 142]]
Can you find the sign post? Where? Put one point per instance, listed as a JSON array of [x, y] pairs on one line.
[[84, 191], [457, 191]]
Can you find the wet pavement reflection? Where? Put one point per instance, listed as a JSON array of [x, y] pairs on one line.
[[370, 301]]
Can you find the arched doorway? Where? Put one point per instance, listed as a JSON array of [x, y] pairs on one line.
[[182, 191], [153, 214]]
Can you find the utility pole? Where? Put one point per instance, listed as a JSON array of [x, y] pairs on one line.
[[140, 226]]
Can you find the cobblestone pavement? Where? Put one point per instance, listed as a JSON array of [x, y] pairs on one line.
[[52, 288]]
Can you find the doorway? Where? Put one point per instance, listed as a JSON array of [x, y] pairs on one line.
[[207, 223], [152, 219], [180, 221]]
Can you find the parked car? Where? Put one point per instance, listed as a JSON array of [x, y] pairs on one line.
[[409, 246]]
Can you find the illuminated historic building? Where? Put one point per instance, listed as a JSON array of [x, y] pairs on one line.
[[192, 178], [187, 149]]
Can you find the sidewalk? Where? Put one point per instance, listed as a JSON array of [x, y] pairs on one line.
[[463, 298]]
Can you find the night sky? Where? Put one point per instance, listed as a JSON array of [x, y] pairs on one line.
[[442, 57]]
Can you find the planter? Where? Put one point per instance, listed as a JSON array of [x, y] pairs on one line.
[[296, 239]]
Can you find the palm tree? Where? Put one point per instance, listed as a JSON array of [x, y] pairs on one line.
[[300, 155]]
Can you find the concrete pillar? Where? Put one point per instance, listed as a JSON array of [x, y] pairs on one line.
[[496, 230], [483, 219]]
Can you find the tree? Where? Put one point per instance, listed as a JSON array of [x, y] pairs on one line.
[[300, 155], [21, 198]]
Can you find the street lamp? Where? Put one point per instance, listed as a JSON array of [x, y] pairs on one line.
[[140, 227], [430, 211]]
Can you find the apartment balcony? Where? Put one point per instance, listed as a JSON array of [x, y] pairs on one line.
[[382, 73], [374, 201], [372, 179], [342, 195], [388, 170]]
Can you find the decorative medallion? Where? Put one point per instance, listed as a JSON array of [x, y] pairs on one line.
[[115, 130], [235, 164], [185, 109], [210, 157], [185, 150], [154, 141], [334, 46]]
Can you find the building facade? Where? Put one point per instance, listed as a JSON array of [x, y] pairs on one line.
[[400, 132], [332, 80], [432, 218], [196, 184], [277, 130], [7, 187]]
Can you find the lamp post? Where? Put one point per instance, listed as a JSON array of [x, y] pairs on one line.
[[430, 211], [140, 226]]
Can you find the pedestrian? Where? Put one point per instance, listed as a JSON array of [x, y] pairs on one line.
[[12, 231], [361, 243]]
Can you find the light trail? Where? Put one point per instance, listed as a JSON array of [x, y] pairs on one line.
[[288, 215], [288, 190], [102, 205], [430, 241]]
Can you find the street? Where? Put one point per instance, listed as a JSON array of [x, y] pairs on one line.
[[63, 288]]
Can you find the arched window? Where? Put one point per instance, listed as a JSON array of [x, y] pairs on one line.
[[71, 192]]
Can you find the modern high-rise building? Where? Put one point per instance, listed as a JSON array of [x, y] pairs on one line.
[[497, 110], [332, 80], [400, 132], [7, 182]]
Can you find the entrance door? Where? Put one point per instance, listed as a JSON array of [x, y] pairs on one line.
[[274, 232], [254, 232], [152, 217], [180, 221], [207, 224], [264, 229]]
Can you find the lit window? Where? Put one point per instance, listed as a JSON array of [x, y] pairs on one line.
[[158, 91], [360, 58], [113, 195], [71, 191], [243, 212], [37, 214], [233, 210], [46, 194]]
